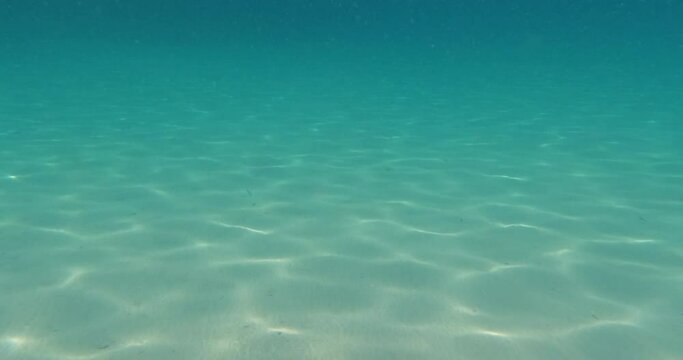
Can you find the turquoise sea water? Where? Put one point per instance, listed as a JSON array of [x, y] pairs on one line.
[[341, 180]]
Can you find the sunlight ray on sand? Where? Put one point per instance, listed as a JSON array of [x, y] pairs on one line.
[[242, 227]]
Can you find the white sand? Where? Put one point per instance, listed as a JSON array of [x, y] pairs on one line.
[[290, 225]]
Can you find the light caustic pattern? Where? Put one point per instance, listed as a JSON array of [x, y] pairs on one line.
[[508, 236]]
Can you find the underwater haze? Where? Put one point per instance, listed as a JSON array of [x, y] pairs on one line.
[[316, 179]]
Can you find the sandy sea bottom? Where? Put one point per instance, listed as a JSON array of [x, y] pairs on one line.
[[160, 208]]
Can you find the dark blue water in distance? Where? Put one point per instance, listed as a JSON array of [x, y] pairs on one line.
[[315, 179]]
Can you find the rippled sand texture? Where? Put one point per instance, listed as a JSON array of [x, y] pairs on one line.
[[152, 210]]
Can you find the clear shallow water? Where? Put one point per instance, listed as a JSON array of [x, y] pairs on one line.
[[339, 196]]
